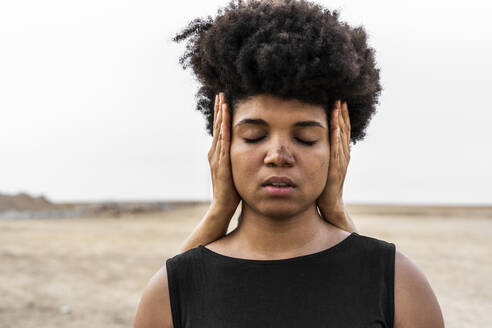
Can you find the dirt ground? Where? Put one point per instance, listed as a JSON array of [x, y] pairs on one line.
[[91, 272]]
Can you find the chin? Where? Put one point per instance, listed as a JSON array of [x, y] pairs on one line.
[[280, 210]]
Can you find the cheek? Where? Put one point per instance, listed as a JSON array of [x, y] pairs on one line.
[[317, 170], [242, 163]]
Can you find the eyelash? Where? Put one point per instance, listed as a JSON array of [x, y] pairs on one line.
[[307, 143]]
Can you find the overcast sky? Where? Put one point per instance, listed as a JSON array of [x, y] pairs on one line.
[[95, 106]]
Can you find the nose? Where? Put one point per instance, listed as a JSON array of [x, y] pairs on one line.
[[279, 157]]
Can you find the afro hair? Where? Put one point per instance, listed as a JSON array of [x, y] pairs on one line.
[[285, 48]]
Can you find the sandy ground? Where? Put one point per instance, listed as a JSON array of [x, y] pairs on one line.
[[91, 272]]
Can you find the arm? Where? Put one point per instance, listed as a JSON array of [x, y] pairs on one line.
[[349, 224], [416, 306], [154, 310], [212, 226], [225, 196], [340, 218]]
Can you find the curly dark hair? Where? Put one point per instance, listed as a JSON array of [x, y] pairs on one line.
[[285, 48]]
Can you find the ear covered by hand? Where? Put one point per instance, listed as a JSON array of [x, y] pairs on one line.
[[330, 201], [225, 196]]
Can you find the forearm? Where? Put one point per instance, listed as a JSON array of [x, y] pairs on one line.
[[349, 224], [340, 218], [212, 226]]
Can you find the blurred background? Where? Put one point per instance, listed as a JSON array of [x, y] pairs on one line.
[[103, 157]]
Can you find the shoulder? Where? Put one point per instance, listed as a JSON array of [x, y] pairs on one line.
[[415, 302], [154, 310], [372, 243], [376, 249]]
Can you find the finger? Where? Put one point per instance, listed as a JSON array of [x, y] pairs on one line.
[[218, 145], [346, 116], [219, 120], [347, 129], [226, 114], [349, 126], [333, 125], [224, 107], [341, 119], [216, 110], [340, 134], [342, 159], [340, 116], [334, 137], [224, 154], [220, 116], [215, 128], [344, 151]]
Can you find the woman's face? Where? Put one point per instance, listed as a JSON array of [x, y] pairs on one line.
[[282, 128]]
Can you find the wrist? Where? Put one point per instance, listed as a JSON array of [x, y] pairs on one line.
[[218, 213], [336, 210]]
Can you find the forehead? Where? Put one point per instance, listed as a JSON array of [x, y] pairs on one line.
[[275, 110]]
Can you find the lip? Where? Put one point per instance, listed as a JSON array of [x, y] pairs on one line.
[[279, 191], [279, 179]]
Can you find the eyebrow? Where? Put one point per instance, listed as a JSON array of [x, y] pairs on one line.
[[259, 121]]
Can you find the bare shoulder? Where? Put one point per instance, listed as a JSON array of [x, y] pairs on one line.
[[415, 302], [154, 310]]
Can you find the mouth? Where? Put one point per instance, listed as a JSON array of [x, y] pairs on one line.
[[279, 181], [279, 189], [278, 185]]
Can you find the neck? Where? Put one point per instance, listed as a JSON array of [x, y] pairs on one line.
[[301, 233]]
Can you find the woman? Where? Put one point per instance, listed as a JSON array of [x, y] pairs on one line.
[[281, 148]]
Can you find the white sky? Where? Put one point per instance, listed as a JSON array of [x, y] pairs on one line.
[[95, 106]]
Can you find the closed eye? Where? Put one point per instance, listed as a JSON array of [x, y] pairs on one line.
[[308, 143]]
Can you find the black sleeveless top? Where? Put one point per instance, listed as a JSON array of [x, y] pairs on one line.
[[349, 285]]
